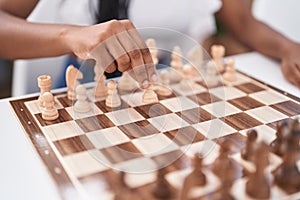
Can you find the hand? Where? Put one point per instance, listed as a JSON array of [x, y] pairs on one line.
[[290, 63], [114, 45]]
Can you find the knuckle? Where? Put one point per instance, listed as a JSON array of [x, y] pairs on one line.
[[123, 60], [135, 54], [113, 23]]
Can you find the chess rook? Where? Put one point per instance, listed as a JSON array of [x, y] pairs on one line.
[[44, 83], [49, 112]]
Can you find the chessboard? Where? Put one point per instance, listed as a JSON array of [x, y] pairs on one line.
[[149, 149]]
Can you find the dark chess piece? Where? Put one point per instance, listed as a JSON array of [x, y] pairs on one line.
[[121, 189], [195, 179], [287, 175], [227, 170], [278, 145], [258, 185], [162, 188], [248, 151]]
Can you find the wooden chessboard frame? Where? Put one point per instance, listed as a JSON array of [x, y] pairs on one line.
[[46, 152]]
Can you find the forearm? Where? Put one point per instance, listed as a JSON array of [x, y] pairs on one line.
[[262, 38], [22, 39]]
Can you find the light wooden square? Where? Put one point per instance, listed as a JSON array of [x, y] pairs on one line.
[[195, 89], [137, 166], [168, 122], [266, 114], [265, 133], [214, 128], [221, 109], [124, 116], [85, 163], [179, 104], [155, 144], [107, 137], [269, 97], [77, 115], [227, 92], [62, 130]]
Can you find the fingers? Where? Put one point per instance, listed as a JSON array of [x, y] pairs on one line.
[[145, 53], [292, 73]]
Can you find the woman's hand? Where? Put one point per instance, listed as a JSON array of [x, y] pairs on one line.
[[114, 45], [290, 63]]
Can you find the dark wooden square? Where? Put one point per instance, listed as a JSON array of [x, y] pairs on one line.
[[105, 109], [152, 110], [65, 102], [245, 103], [120, 153], [249, 88], [138, 129], [185, 136], [94, 123], [73, 145], [173, 161], [236, 140], [288, 108], [241, 121], [204, 98], [63, 117], [195, 115]]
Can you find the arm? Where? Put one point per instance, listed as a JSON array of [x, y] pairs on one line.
[[239, 21], [118, 42]]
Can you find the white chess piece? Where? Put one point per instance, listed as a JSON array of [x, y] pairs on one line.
[[218, 52], [151, 44], [72, 76], [49, 112], [164, 89], [176, 64], [149, 96], [82, 105], [211, 71], [127, 83], [230, 73], [44, 83], [113, 99], [187, 82], [100, 89]]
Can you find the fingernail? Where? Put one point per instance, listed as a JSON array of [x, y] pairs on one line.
[[154, 77], [145, 84]]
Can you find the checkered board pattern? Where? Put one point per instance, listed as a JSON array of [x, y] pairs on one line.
[[81, 151]]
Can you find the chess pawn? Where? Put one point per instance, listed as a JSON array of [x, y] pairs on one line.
[[176, 64], [72, 76], [248, 152], [149, 96], [82, 105], [112, 100], [127, 83], [49, 112], [164, 89], [230, 73], [186, 83], [218, 52], [44, 83], [211, 71], [151, 44], [100, 89]]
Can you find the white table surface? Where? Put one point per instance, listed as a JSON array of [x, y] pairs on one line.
[[23, 175]]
